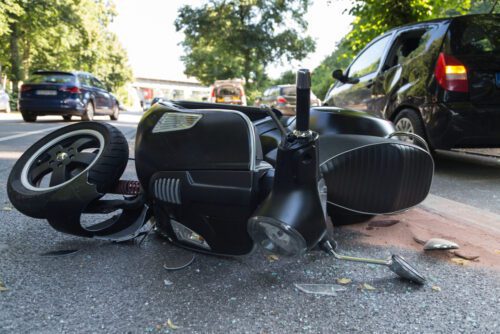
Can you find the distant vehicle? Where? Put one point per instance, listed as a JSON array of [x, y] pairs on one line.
[[283, 98], [228, 92], [66, 94], [439, 79], [4, 101]]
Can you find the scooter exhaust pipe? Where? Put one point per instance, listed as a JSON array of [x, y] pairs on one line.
[[395, 263]]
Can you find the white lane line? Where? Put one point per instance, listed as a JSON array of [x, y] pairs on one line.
[[19, 135]]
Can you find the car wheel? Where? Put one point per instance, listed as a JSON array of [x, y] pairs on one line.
[[409, 121], [56, 160], [341, 216], [89, 112], [116, 113], [67, 118], [29, 118]]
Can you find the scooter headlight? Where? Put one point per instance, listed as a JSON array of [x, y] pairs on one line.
[[276, 237]]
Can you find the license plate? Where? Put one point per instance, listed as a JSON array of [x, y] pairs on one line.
[[46, 92], [498, 79], [227, 98]]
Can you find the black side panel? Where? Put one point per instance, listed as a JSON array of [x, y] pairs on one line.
[[253, 113]]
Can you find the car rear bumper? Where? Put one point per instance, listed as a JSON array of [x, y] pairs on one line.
[[51, 107], [464, 125]]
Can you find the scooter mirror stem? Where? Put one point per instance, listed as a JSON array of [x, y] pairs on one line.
[[303, 83]]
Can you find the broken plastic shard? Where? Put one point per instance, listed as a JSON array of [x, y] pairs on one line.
[[437, 243], [167, 282], [61, 252], [176, 265], [320, 289]]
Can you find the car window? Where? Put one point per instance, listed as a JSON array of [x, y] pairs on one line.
[[289, 91], [408, 45], [97, 83], [59, 78], [368, 61], [228, 90], [84, 80], [476, 35]]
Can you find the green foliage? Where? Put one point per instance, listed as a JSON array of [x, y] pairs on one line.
[[240, 38], [61, 35], [374, 17]]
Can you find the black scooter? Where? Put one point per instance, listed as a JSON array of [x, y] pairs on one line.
[[221, 179]]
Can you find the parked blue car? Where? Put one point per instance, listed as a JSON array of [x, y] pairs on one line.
[[66, 94]]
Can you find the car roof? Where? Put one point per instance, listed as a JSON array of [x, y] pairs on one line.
[[438, 20], [61, 72]]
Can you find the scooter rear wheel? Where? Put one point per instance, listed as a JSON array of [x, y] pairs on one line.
[[52, 163]]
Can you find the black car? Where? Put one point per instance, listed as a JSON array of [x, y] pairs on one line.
[[66, 94], [439, 79]]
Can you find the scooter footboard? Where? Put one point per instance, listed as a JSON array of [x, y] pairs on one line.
[[374, 175]]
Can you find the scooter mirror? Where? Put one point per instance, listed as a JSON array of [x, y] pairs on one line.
[[374, 175], [403, 269]]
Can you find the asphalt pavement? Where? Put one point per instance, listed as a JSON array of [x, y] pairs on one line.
[[124, 288]]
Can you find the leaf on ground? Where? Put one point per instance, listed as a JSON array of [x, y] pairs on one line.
[[2, 287], [344, 281], [383, 223], [465, 256], [436, 288], [6, 208], [366, 286], [272, 258], [459, 261], [171, 325]]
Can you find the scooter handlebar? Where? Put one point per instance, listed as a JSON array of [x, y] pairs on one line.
[[303, 84]]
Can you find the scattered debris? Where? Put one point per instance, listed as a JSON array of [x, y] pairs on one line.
[[465, 256], [438, 244], [61, 252], [497, 251], [171, 325], [366, 286], [383, 223], [179, 267], [459, 261], [344, 281], [167, 282], [272, 258], [436, 288], [419, 241], [320, 289], [2, 287], [7, 208]]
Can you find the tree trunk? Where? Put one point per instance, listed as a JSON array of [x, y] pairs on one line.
[[16, 70]]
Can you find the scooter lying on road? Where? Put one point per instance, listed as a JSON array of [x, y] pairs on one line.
[[221, 179]]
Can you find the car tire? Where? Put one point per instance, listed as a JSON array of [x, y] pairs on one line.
[[89, 112], [116, 113], [341, 216], [29, 118], [62, 152], [407, 120], [67, 118]]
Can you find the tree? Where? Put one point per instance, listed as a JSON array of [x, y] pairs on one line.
[[240, 38]]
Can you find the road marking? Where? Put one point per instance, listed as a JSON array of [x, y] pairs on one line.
[[19, 135]]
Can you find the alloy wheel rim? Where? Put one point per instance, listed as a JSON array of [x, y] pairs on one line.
[[405, 125]]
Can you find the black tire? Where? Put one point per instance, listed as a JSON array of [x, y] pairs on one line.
[[104, 168], [29, 118], [116, 113], [67, 118], [341, 216], [89, 112], [407, 120]]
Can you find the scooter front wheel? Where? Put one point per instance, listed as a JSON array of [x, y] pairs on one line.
[[53, 162]]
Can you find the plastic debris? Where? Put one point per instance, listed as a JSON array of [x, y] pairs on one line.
[[167, 282], [3, 288], [61, 252], [366, 286], [344, 281], [436, 288], [171, 325], [179, 266], [7, 208], [272, 258], [438, 244], [459, 261], [465, 256], [320, 289], [383, 223]]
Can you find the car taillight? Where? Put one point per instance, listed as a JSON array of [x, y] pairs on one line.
[[451, 74], [70, 89], [281, 99], [212, 94], [25, 88]]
